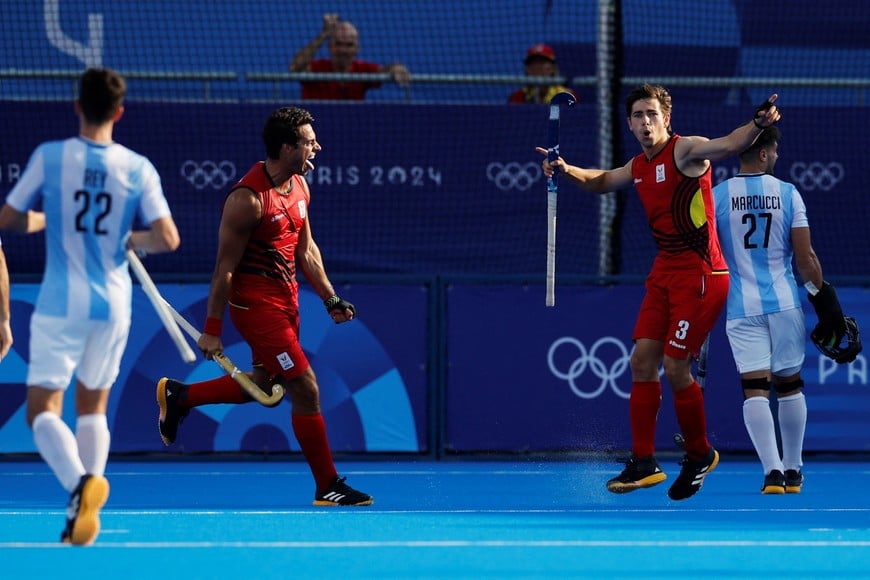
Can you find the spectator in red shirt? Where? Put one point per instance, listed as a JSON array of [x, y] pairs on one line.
[[343, 47], [540, 62]]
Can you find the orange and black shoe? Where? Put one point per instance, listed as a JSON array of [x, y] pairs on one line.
[[692, 475], [340, 494], [169, 391], [83, 511], [774, 483], [639, 472], [794, 480]]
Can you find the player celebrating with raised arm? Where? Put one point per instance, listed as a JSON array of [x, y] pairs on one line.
[[265, 235], [91, 189], [688, 284]]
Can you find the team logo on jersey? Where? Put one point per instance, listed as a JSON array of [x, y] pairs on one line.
[[301, 205], [285, 361], [660, 172]]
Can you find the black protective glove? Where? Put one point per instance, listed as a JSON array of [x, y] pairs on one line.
[[335, 303], [759, 111], [832, 325]]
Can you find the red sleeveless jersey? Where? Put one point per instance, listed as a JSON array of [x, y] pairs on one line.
[[268, 266], [680, 212]]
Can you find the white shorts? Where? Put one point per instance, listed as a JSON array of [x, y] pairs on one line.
[[774, 342], [61, 347]]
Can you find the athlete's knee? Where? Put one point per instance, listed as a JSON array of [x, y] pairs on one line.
[[757, 387], [785, 389], [41, 400], [678, 373], [304, 391], [91, 401], [644, 368]]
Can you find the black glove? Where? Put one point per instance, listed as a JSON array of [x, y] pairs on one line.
[[759, 111], [832, 324], [334, 303]]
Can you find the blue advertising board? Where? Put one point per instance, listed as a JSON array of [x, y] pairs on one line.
[[524, 378], [518, 376], [371, 373]]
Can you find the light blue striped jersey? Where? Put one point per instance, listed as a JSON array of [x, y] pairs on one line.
[[90, 194], [755, 214]]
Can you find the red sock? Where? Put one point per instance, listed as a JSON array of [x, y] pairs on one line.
[[643, 410], [310, 431], [689, 406], [220, 390]]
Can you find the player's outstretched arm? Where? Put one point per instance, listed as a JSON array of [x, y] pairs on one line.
[[701, 148], [595, 180]]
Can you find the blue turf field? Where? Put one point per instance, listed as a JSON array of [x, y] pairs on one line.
[[490, 519]]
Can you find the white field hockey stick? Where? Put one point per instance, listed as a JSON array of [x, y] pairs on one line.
[[229, 367], [567, 99], [159, 305]]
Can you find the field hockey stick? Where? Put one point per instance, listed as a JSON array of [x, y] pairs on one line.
[[567, 99], [229, 367], [679, 441], [158, 303], [702, 363]]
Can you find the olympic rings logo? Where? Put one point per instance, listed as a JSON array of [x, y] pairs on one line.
[[208, 173], [816, 175], [590, 360], [513, 175]]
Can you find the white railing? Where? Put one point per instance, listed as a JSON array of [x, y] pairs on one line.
[[279, 80]]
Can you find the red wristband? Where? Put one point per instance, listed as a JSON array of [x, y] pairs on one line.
[[213, 326]]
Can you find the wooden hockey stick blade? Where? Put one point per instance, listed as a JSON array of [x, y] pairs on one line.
[[250, 387], [231, 369]]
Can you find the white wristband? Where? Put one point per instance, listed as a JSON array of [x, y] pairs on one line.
[[811, 288]]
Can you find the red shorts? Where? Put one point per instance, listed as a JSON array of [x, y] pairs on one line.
[[680, 309], [270, 326]]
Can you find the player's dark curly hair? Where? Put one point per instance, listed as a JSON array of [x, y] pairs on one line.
[[767, 138], [282, 126]]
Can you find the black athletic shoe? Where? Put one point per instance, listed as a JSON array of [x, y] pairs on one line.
[[774, 483], [692, 475], [339, 493], [171, 413], [83, 511], [794, 479], [639, 472]]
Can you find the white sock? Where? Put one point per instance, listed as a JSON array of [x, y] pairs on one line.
[[759, 423], [92, 434], [792, 425], [57, 446]]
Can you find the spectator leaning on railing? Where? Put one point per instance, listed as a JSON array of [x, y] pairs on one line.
[[540, 62], [343, 47]]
